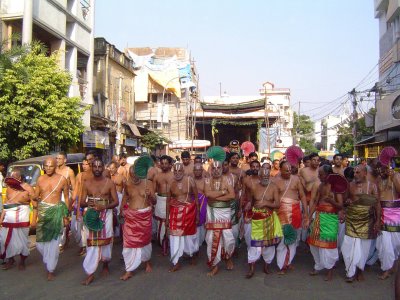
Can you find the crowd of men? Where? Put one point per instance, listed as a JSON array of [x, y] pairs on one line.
[[271, 206]]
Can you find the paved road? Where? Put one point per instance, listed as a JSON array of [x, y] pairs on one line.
[[190, 282]]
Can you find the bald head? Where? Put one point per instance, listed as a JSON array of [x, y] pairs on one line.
[[360, 173], [198, 170], [50, 166], [16, 173]]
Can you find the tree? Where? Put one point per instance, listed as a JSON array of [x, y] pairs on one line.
[[345, 141], [152, 139], [303, 128], [36, 113]]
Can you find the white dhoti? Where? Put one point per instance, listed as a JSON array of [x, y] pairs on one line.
[[117, 230], [254, 254], [160, 213], [133, 257], [355, 253], [14, 231], [99, 244], [201, 234], [341, 232], [324, 258], [247, 234], [285, 254], [235, 232], [50, 252], [178, 245], [219, 236], [388, 245], [78, 231]]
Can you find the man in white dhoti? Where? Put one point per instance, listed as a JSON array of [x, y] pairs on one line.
[[362, 223], [14, 221], [182, 216], [388, 242], [137, 214], [102, 198], [219, 236], [161, 183], [51, 214]]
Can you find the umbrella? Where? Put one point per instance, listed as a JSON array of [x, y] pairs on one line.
[[289, 234], [387, 154], [92, 220], [14, 183], [338, 183], [293, 154], [247, 148], [217, 153]]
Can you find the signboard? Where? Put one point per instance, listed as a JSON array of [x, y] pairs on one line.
[[95, 139], [131, 142], [396, 108]]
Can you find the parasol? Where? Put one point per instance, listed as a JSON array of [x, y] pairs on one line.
[[293, 154], [386, 155], [338, 183], [14, 183], [217, 153], [142, 166], [289, 234], [92, 220], [247, 148]]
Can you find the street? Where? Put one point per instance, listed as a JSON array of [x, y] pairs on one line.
[[190, 282]]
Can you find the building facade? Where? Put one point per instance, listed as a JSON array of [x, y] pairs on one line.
[[63, 26], [113, 111], [387, 90], [165, 90]]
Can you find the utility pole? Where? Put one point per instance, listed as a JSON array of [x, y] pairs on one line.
[[119, 138], [353, 93], [298, 124], [220, 90]]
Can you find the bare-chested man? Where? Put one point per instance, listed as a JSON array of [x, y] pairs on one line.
[[51, 214], [362, 223], [77, 211], [248, 183], [182, 216], [252, 157], [119, 182], [14, 221], [154, 170], [187, 163], [233, 166], [275, 168], [161, 184], [235, 202], [123, 166], [291, 213], [137, 213], [337, 164], [325, 226], [219, 236], [63, 170], [200, 180], [309, 177], [101, 196], [388, 242], [264, 234]]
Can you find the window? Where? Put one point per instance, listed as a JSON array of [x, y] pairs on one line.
[[152, 98]]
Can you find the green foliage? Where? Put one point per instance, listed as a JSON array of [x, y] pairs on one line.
[[36, 113], [152, 139], [345, 141], [303, 129]]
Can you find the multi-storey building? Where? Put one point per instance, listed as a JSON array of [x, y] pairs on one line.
[[65, 26], [112, 115], [387, 90], [165, 90]]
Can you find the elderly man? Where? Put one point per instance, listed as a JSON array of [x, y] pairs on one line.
[[182, 216], [137, 212], [325, 226], [266, 232], [219, 236], [362, 223], [51, 213], [101, 196], [14, 222], [291, 195]]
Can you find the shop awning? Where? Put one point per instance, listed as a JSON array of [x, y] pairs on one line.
[[134, 129], [185, 144]]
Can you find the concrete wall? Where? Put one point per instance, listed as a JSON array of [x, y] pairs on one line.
[[45, 12]]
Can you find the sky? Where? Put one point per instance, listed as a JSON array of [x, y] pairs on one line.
[[318, 49]]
